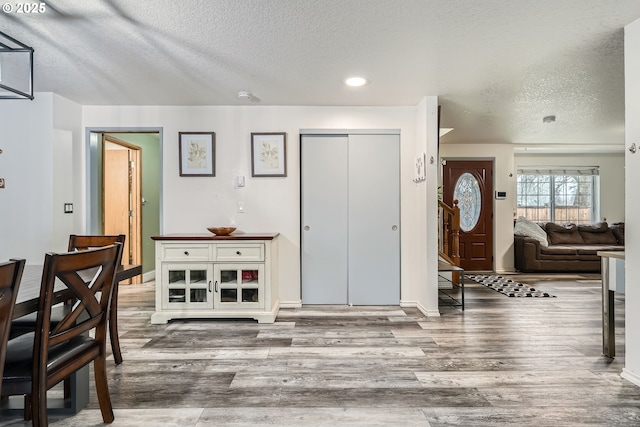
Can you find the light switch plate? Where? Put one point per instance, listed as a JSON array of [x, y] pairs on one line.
[[68, 208]]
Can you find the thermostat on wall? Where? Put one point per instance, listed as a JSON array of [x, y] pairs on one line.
[[501, 194]]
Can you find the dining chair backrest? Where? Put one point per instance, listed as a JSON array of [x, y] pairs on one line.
[[10, 276], [89, 275], [84, 242]]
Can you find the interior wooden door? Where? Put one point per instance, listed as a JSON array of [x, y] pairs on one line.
[[471, 183], [122, 196]]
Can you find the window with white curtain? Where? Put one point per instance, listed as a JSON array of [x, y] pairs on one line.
[[562, 195]]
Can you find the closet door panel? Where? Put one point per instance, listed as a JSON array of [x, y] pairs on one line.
[[374, 219], [324, 219]]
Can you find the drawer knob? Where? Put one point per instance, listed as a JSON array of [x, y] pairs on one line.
[[238, 253], [186, 253]]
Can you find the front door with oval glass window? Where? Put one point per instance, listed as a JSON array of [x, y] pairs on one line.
[[471, 183]]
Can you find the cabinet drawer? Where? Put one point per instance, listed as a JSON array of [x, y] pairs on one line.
[[185, 252], [240, 253]]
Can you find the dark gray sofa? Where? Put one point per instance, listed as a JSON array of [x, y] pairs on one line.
[[571, 248]]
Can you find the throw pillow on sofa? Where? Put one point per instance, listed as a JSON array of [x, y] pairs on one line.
[[527, 228], [617, 228], [597, 234], [563, 234]]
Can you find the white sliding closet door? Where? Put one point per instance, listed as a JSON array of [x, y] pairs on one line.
[[374, 219], [351, 219], [324, 213]]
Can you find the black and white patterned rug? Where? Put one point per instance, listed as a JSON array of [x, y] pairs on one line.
[[506, 286]]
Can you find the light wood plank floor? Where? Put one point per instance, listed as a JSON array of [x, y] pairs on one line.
[[503, 361]]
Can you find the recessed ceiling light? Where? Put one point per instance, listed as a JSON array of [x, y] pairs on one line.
[[356, 81]]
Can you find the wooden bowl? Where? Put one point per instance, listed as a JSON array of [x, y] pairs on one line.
[[222, 231]]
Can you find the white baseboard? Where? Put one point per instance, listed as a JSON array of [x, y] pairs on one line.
[[149, 276], [423, 310], [291, 304], [630, 376]]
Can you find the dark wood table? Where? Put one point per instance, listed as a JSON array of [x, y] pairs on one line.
[[27, 302], [29, 291]]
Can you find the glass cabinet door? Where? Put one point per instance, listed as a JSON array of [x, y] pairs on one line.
[[239, 285], [187, 285]]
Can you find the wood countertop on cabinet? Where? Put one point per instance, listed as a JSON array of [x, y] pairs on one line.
[[209, 237]]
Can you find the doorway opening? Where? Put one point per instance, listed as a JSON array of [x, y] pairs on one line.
[[124, 197]]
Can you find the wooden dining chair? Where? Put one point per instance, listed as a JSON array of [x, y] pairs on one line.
[[10, 276], [37, 361], [81, 243], [84, 242]]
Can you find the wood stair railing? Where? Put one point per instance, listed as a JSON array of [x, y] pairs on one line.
[[449, 236]]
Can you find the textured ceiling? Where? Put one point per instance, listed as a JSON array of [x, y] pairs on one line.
[[498, 66]]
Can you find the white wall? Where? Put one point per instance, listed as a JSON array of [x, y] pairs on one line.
[[424, 259], [503, 210], [632, 199], [190, 204], [611, 177], [62, 183], [67, 121], [31, 130], [26, 166]]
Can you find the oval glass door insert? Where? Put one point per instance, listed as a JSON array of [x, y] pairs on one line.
[[467, 191]]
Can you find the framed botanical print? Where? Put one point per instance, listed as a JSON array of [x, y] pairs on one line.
[[268, 154], [197, 153]]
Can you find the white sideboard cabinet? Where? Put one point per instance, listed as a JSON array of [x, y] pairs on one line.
[[202, 276]]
